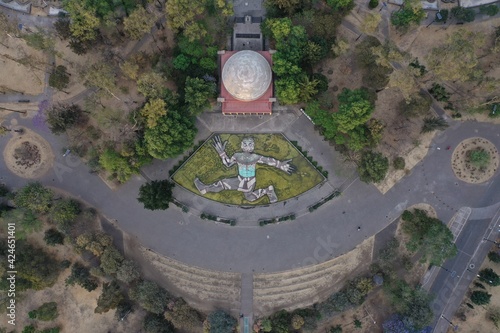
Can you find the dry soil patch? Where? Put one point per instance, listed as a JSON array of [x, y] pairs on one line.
[[28, 155], [467, 172]]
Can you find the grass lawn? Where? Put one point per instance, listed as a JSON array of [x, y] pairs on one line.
[[207, 166]]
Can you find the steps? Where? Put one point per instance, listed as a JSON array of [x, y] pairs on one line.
[[202, 288], [305, 286]]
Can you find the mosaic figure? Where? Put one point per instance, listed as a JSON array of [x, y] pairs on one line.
[[246, 161]]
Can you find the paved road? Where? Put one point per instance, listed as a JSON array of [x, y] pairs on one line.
[[316, 237], [456, 274]]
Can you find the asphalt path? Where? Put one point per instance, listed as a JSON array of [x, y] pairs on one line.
[[326, 233], [455, 275]]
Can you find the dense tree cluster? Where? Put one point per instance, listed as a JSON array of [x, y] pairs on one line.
[[156, 194], [428, 235]]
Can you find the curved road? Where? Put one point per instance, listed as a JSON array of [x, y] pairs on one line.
[[316, 237]]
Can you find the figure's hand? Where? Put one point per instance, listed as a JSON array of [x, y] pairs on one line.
[[219, 146], [287, 167]]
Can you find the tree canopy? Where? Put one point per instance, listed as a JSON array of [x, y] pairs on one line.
[[171, 136], [456, 59], [373, 167], [34, 197], [150, 296], [428, 235], [156, 194]]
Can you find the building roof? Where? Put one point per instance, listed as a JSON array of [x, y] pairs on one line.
[[246, 75], [231, 105]]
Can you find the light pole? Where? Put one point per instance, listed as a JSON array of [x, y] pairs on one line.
[[451, 324]]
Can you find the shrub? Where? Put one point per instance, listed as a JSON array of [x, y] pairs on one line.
[[46, 312], [336, 329], [478, 157], [444, 15], [439, 92], [489, 276], [490, 10], [53, 237], [399, 163], [373, 4], [494, 256], [464, 14]]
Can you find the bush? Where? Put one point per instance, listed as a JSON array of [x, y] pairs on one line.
[[480, 297], [46, 312], [464, 14], [53, 237], [439, 92], [373, 4], [490, 10], [494, 256], [489, 276], [399, 163], [478, 157], [336, 329], [444, 15]]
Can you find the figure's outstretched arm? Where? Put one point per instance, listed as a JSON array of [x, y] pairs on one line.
[[220, 147], [282, 165]]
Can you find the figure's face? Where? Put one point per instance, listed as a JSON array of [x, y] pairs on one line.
[[247, 145]]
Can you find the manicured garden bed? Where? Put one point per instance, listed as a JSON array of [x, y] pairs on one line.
[[206, 164]]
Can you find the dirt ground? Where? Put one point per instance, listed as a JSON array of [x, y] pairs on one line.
[[75, 305], [476, 319], [23, 68], [467, 172], [39, 167]]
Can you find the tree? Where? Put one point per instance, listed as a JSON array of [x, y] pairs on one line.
[[150, 296], [45, 312], [456, 59], [117, 165], [297, 322], [154, 110], [371, 22], [182, 13], [62, 26], [172, 135], [480, 297], [478, 157], [339, 4], [354, 109], [80, 275], [494, 256], [128, 271], [183, 316], [429, 235], [399, 163], [156, 323], [35, 268], [130, 69], [373, 167], [53, 237], [340, 47], [34, 197], [336, 329], [221, 322], [308, 88], [26, 222], [139, 22], [84, 21], [59, 78], [111, 260], [101, 76], [404, 80], [419, 104], [464, 14], [156, 194], [411, 12], [62, 117], [433, 123], [494, 316], [489, 276], [110, 297], [197, 93], [64, 212], [152, 85], [287, 6], [287, 91], [95, 242]]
